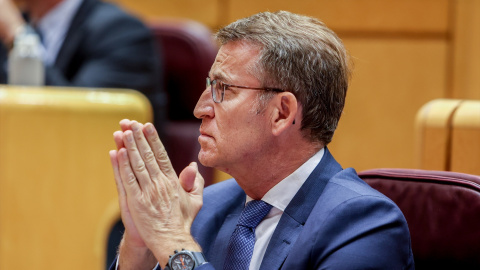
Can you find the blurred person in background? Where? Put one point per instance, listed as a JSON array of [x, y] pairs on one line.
[[87, 43]]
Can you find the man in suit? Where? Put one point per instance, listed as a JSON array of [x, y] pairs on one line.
[[273, 100], [86, 43]]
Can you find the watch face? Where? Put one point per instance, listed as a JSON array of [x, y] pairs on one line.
[[182, 261]]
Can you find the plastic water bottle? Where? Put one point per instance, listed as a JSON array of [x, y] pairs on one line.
[[25, 66]]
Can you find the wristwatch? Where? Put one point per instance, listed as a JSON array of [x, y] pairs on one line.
[[185, 260]]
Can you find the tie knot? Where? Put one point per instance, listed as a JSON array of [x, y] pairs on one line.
[[253, 213]]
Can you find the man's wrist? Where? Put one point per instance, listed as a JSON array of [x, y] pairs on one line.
[[117, 264], [188, 259], [162, 253], [135, 257]]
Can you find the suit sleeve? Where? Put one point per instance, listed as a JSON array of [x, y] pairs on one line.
[[366, 232]]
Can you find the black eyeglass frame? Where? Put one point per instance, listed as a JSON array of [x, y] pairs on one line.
[[223, 86]]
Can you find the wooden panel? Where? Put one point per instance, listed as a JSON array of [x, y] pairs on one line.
[[219, 176], [392, 79], [466, 53], [466, 138], [416, 16], [433, 134], [205, 11], [57, 193]]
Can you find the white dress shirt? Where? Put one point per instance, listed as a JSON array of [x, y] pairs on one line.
[[279, 197], [53, 28]]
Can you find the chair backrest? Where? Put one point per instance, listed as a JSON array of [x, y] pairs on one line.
[[58, 199], [442, 210], [188, 53], [448, 136]]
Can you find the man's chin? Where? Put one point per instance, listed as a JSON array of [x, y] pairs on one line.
[[206, 159]]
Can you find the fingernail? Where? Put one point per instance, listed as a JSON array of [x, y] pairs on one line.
[[135, 126], [129, 136], [150, 129]]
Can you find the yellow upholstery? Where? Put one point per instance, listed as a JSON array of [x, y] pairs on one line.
[[57, 194], [448, 136]]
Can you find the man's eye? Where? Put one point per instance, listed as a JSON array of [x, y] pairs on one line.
[[224, 86]]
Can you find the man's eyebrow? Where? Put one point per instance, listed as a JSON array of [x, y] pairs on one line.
[[218, 76]]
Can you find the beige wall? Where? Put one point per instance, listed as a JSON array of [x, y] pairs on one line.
[[406, 52]]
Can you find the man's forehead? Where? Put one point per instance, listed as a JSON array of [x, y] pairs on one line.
[[233, 57]]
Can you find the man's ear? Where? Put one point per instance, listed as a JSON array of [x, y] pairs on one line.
[[285, 111]]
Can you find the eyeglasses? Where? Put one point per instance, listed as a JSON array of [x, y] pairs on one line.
[[218, 89]]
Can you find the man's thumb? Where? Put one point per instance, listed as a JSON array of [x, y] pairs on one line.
[[188, 175]]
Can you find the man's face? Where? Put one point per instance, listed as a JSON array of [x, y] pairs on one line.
[[234, 132]]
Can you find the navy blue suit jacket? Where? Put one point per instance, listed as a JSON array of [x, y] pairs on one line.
[[335, 221]]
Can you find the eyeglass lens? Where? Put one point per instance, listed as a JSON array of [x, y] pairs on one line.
[[217, 90]]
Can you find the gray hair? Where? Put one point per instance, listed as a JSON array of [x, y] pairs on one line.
[[301, 55]]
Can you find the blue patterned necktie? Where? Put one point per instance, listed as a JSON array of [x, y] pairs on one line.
[[242, 241]]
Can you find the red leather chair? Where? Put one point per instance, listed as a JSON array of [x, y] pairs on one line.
[[442, 210], [188, 52]]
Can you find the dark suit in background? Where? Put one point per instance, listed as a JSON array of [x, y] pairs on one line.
[[106, 47]]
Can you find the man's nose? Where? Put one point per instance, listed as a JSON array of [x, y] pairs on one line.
[[204, 107]]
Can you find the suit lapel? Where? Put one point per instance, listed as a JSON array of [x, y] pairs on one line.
[[74, 35], [297, 212], [283, 238]]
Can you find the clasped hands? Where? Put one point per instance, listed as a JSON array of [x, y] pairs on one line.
[[157, 207]]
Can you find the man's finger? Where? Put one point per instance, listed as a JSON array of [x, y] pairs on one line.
[[159, 151], [199, 184], [145, 152], [122, 195], [191, 180], [187, 177], [136, 161], [129, 180], [125, 124], [118, 138], [116, 173]]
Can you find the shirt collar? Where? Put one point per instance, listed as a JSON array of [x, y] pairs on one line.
[[282, 193]]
